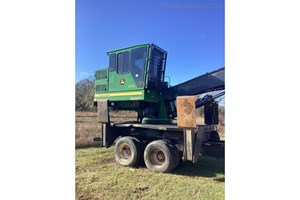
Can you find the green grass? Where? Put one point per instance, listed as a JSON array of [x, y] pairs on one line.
[[99, 177]]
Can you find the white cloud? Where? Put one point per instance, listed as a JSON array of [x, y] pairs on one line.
[[85, 75]]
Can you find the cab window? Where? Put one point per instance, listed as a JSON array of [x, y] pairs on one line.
[[123, 62]]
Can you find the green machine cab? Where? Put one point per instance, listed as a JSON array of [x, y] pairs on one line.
[[134, 80]]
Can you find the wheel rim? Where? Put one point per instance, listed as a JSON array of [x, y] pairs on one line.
[[124, 152], [157, 157]]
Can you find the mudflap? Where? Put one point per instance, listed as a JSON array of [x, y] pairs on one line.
[[213, 148]]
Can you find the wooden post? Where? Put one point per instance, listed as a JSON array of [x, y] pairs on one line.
[[103, 111]]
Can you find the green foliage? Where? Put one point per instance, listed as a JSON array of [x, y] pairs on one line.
[[84, 95]]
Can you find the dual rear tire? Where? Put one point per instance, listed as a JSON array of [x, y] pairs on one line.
[[160, 156], [128, 151]]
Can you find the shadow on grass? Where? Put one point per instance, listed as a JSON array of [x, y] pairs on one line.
[[220, 179], [205, 167], [84, 146]]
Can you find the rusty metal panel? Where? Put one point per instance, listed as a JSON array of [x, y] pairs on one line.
[[102, 111], [186, 114]]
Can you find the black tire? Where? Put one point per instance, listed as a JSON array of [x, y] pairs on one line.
[[174, 153], [128, 151], [158, 156]]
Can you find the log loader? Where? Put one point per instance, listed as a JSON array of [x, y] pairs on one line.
[[165, 130]]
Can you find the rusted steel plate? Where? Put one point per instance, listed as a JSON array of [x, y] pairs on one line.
[[186, 114]]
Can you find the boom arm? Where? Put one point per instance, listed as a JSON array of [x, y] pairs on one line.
[[208, 99], [205, 83]]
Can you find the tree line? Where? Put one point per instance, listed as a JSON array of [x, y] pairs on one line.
[[84, 95]]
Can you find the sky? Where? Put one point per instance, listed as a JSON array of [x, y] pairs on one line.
[[192, 32]]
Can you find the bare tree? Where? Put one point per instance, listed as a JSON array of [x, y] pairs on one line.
[[84, 95]]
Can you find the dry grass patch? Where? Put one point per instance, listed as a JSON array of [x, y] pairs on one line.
[[86, 128]]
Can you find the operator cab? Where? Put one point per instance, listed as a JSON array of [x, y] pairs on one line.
[[144, 64], [134, 80]]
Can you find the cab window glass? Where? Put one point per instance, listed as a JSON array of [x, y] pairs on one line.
[[123, 62]]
